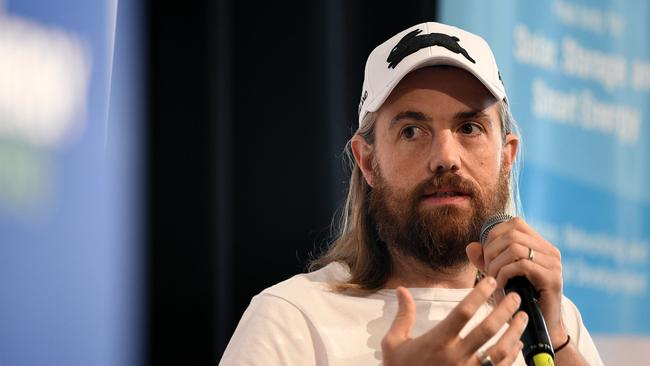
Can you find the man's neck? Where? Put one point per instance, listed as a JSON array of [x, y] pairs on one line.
[[410, 272]]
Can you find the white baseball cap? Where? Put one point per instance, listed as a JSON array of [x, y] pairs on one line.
[[426, 44]]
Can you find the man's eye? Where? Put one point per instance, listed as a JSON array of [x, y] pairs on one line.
[[470, 129], [411, 132]]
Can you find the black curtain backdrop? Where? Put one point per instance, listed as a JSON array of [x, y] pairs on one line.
[[250, 106]]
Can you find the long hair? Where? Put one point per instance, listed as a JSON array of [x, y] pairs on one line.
[[356, 243]]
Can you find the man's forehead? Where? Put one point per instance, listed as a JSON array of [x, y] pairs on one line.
[[454, 83], [444, 78]]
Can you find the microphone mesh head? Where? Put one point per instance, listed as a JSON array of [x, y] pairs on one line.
[[492, 222]]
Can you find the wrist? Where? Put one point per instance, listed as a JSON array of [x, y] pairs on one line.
[[558, 337], [561, 347]]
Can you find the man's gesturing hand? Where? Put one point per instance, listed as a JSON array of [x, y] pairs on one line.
[[443, 345]]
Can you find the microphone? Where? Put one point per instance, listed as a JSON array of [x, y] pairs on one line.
[[537, 343]]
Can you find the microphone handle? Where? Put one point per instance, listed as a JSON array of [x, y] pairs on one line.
[[537, 343]]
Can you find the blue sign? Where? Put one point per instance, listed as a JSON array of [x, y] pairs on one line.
[[68, 215], [577, 74]]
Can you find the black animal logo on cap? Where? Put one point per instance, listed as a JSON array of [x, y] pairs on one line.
[[411, 43]]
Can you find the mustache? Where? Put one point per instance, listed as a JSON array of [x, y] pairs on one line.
[[446, 180]]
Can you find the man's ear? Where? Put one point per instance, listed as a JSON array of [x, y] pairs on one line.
[[510, 149], [363, 154]]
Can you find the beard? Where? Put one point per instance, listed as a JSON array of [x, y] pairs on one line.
[[434, 236]]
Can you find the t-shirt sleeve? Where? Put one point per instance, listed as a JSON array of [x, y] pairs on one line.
[[272, 331], [579, 334]]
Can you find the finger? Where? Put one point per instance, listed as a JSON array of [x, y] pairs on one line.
[[464, 311], [517, 252], [510, 359], [403, 323], [515, 223], [475, 254], [491, 324], [508, 345], [540, 277], [519, 229], [499, 244]]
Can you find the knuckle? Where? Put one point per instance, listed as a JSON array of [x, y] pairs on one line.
[[522, 249], [500, 352], [508, 267], [491, 270], [510, 235], [506, 271], [464, 311], [386, 344], [518, 236], [490, 327], [514, 252], [518, 221]]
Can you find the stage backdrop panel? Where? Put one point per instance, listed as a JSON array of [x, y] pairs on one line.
[[578, 77], [69, 249]]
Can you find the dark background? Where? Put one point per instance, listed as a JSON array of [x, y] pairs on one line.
[[250, 106]]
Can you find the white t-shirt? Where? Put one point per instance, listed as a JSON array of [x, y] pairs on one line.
[[301, 321]]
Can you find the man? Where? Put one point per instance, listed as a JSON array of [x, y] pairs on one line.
[[434, 158]]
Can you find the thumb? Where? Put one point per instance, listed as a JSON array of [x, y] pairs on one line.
[[405, 318], [475, 254]]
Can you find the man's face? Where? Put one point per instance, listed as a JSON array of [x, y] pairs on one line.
[[439, 166]]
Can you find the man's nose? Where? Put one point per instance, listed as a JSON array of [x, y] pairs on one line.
[[445, 154]]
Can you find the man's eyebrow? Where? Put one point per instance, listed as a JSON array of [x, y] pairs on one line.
[[412, 115], [471, 114]]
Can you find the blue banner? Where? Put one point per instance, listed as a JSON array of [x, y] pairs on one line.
[[69, 254], [577, 74]]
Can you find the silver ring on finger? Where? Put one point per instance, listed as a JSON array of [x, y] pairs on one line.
[[531, 254], [484, 359]]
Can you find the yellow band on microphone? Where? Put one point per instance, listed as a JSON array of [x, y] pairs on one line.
[[543, 359]]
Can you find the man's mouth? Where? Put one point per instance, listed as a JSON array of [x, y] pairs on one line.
[[445, 192], [445, 196]]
